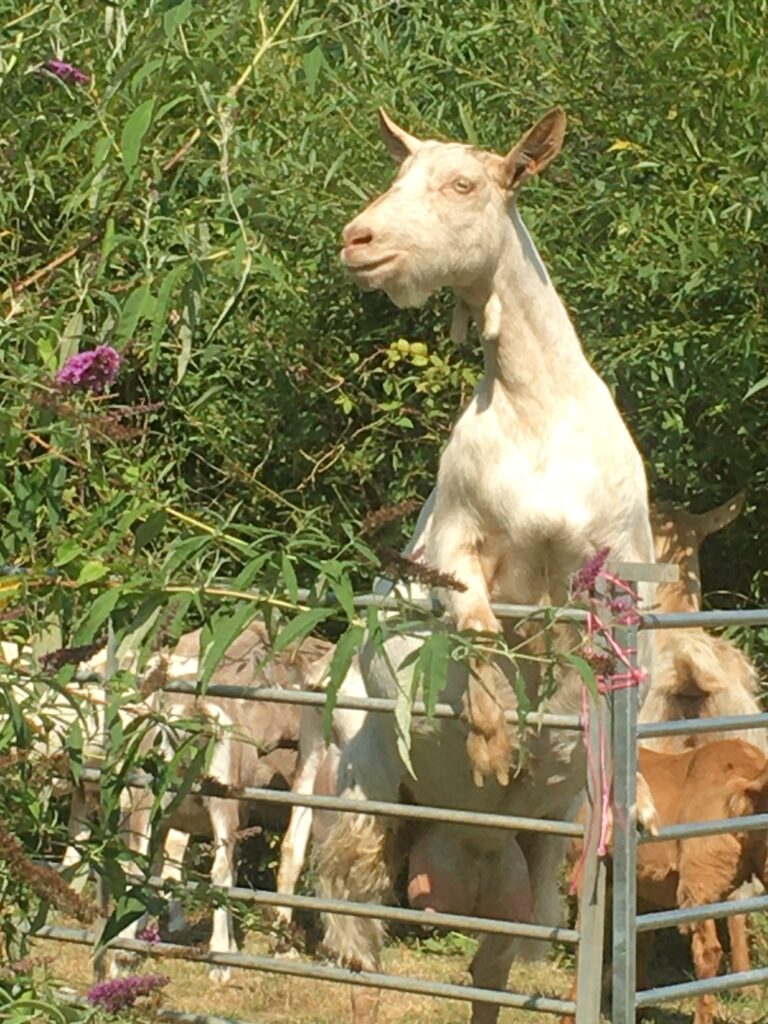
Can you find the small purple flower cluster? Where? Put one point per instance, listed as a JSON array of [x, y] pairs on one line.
[[121, 993], [585, 579], [90, 371], [67, 72], [150, 933]]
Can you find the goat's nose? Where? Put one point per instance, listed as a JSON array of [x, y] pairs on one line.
[[357, 235]]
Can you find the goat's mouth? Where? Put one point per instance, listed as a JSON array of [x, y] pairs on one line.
[[362, 267]]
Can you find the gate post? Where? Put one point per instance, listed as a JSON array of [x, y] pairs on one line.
[[624, 700], [592, 908]]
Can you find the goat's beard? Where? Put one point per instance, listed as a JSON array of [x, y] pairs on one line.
[[407, 294]]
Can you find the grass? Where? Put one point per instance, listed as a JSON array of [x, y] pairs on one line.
[[273, 999]]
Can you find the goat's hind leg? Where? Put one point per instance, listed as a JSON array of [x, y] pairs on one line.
[[355, 863]]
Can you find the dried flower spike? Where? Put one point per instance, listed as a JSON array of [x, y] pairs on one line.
[[90, 371], [585, 579], [67, 72]]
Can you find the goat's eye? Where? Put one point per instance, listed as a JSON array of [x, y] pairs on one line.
[[463, 185]]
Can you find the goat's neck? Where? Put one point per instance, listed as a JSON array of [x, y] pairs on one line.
[[682, 596], [529, 342]]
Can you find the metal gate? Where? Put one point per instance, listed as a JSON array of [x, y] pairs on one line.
[[612, 732]]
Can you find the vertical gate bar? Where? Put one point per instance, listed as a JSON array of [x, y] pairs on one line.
[[624, 966], [589, 964], [102, 886]]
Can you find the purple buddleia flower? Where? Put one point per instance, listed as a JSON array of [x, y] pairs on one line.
[[67, 72], [90, 371], [585, 579], [121, 993]]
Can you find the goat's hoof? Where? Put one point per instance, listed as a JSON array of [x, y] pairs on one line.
[[220, 975]]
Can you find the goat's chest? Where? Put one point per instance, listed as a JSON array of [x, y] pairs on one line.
[[517, 478]]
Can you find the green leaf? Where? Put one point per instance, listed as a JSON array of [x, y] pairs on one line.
[[176, 13], [66, 552], [301, 626], [289, 578], [313, 62], [759, 386], [346, 649], [138, 305], [224, 628], [434, 659], [134, 130], [90, 572], [149, 529], [586, 672]]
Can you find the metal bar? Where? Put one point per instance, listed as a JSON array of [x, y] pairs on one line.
[[429, 919], [718, 827], [688, 989], [624, 858], [322, 972], [592, 890], [696, 726], [675, 918], [333, 803], [704, 620], [317, 698]]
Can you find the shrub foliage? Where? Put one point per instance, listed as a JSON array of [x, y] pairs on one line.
[[180, 200]]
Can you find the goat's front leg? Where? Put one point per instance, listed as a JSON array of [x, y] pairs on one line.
[[488, 744], [78, 828], [293, 849], [707, 954], [135, 830], [225, 822], [174, 849]]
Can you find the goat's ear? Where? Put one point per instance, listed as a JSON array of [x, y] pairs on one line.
[[717, 518], [535, 150], [400, 144]]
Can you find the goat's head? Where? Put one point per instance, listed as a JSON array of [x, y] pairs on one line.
[[678, 535], [443, 221]]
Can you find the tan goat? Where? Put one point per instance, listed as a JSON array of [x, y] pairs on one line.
[[722, 779], [696, 674]]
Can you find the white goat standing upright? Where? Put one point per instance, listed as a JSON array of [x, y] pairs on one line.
[[539, 473]]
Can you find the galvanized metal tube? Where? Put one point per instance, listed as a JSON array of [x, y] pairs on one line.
[[321, 972], [749, 823], [696, 726], [704, 620], [675, 918], [624, 858], [426, 918], [503, 611], [691, 989], [379, 807], [315, 698], [592, 907]]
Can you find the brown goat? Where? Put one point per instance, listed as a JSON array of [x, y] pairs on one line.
[[696, 674], [722, 779]]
